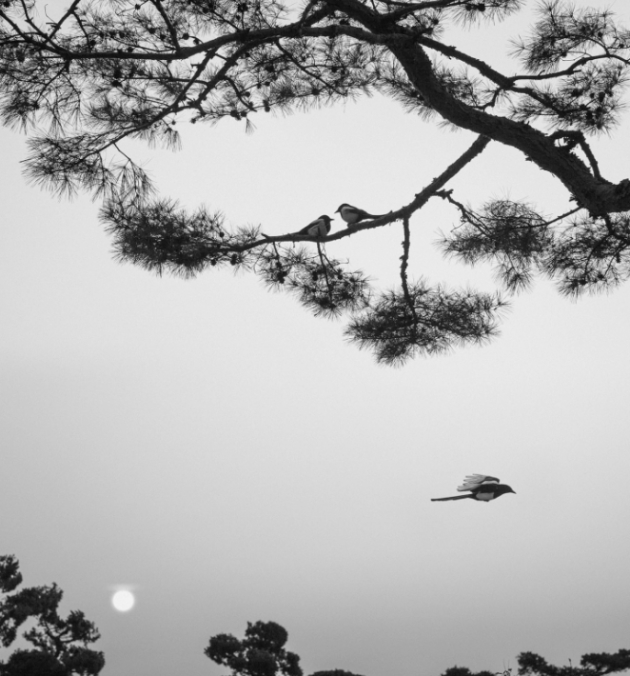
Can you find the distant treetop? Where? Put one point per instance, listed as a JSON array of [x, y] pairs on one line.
[[60, 645]]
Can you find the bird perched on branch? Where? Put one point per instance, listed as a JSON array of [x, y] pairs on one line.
[[320, 227], [481, 487], [353, 215]]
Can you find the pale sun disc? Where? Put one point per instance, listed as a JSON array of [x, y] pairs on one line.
[[123, 600]]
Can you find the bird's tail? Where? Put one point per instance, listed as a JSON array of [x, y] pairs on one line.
[[455, 497]]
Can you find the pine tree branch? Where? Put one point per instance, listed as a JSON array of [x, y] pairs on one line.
[[420, 200], [482, 67], [598, 196], [410, 8]]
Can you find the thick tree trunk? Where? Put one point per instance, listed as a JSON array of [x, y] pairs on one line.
[[595, 194]]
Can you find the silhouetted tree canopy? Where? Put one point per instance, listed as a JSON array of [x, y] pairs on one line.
[[101, 72], [334, 672], [465, 671], [260, 653], [591, 664], [60, 644], [531, 664]]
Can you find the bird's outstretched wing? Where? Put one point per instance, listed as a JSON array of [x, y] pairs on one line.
[[473, 481]]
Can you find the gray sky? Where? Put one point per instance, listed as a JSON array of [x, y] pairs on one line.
[[233, 459]]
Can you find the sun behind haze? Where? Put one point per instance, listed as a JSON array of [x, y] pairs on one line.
[[123, 600]]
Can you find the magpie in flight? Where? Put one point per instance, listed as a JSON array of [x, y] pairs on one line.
[[320, 227], [353, 215], [481, 487]]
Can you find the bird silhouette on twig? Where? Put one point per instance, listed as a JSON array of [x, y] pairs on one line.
[[353, 215], [320, 227]]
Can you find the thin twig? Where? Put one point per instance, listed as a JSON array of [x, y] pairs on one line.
[[169, 25], [403, 271], [59, 23], [329, 287]]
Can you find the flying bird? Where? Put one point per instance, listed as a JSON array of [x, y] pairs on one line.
[[353, 215], [320, 227], [481, 487]]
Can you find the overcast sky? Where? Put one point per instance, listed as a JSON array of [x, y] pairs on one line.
[[231, 458]]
